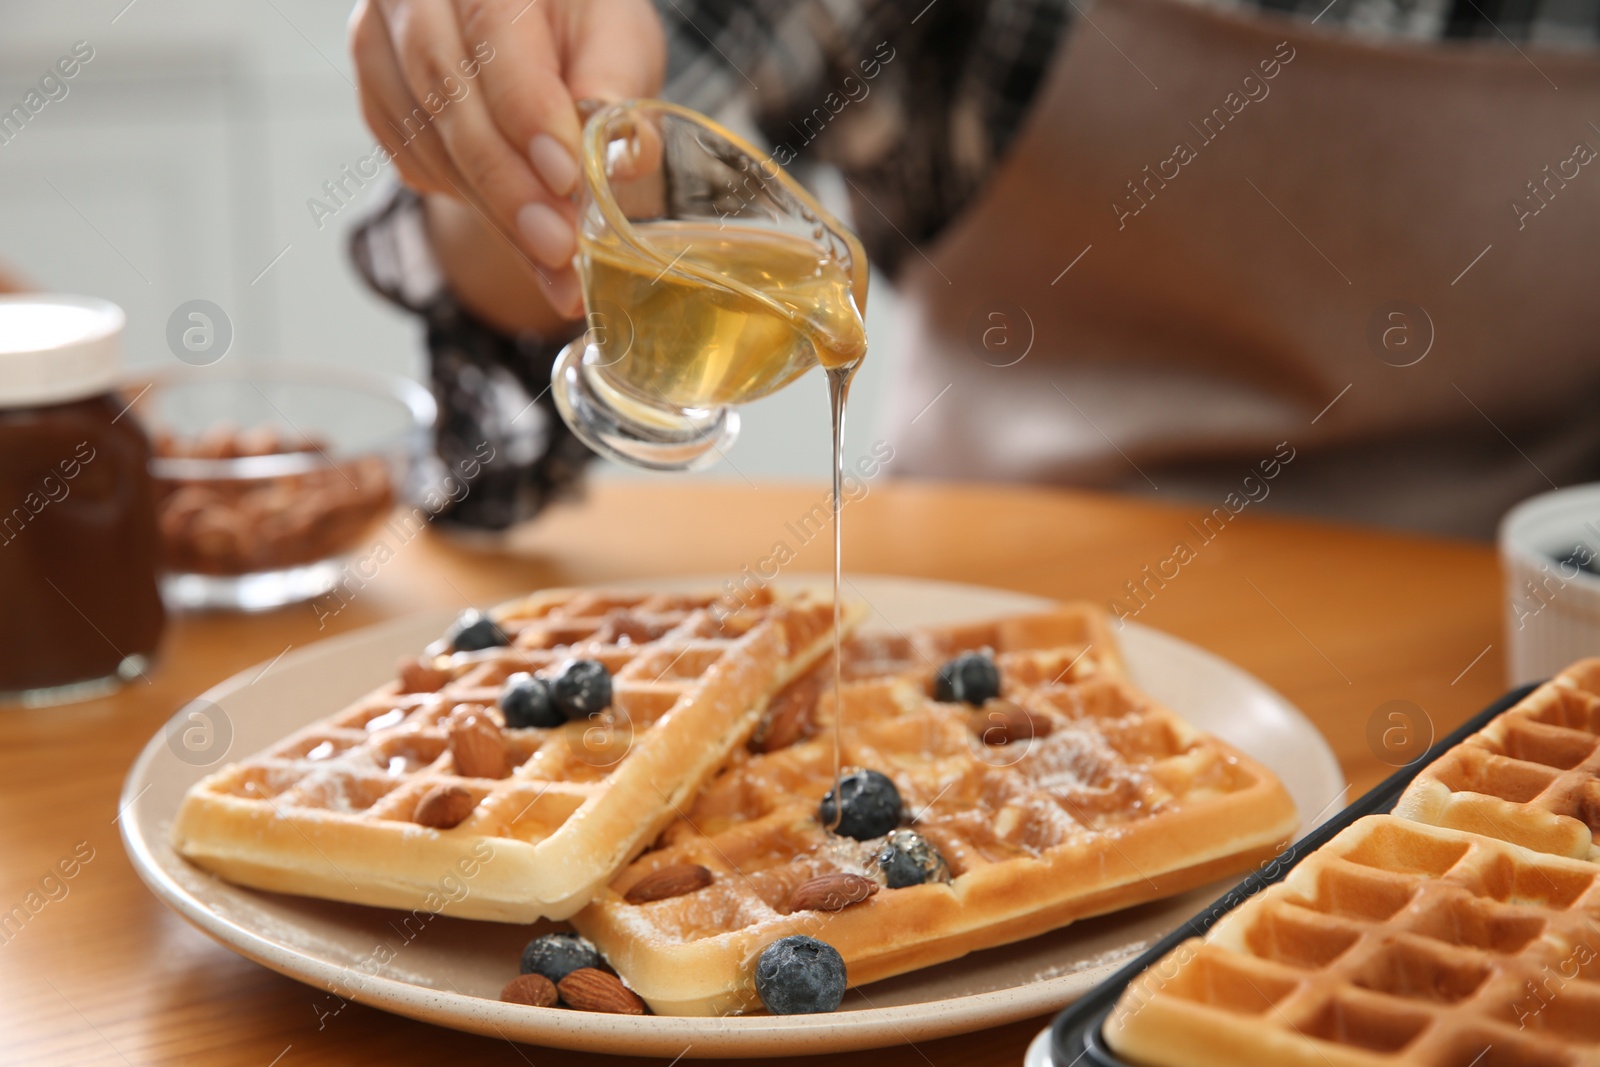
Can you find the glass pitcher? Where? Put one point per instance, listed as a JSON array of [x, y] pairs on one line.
[[710, 279]]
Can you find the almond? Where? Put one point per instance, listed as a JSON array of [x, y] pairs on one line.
[[831, 892], [418, 677], [626, 626], [444, 806], [670, 881], [477, 743], [792, 713], [261, 440], [1001, 722], [590, 989], [534, 989]]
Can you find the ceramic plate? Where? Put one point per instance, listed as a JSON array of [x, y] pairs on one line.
[[451, 972]]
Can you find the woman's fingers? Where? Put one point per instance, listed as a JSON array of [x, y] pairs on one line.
[[615, 50], [564, 293], [528, 104], [388, 107], [528, 99], [475, 99], [446, 72]]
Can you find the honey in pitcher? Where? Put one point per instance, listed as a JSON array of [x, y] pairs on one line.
[[669, 339]]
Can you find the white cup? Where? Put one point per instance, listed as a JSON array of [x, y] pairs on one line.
[[1552, 607]]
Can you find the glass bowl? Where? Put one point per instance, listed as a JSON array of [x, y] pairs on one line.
[[267, 476]]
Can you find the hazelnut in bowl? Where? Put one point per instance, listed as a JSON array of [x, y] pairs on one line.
[[268, 475]]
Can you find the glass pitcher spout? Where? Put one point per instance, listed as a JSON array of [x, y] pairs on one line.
[[710, 279]]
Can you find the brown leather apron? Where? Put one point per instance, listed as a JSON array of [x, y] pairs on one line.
[[1215, 225]]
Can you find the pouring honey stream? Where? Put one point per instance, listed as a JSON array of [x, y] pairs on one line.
[[711, 278]]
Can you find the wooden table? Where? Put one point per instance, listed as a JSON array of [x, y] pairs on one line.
[[1339, 620]]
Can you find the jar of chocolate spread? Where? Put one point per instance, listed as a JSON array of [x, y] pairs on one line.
[[78, 543]]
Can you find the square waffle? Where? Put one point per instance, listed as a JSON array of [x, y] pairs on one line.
[[330, 811], [1531, 776], [1110, 800], [1464, 929], [1394, 943]]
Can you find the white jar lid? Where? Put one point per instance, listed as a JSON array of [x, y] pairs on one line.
[[55, 348]]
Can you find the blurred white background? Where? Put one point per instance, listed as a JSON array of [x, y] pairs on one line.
[[178, 166]]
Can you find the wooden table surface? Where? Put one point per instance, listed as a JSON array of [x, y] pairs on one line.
[[1341, 621]]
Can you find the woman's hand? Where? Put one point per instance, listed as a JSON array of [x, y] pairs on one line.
[[476, 100]]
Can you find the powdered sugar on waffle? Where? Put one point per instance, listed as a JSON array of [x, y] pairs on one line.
[[1027, 828]]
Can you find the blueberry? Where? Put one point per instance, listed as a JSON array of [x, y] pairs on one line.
[[871, 805], [525, 701], [800, 975], [970, 678], [908, 858], [473, 631], [582, 688], [557, 955]]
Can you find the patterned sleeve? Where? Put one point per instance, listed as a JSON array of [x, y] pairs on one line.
[[914, 102], [502, 451]]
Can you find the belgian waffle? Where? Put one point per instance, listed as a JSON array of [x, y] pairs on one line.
[[1531, 776], [329, 811], [1402, 942], [1120, 802], [1396, 942]]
